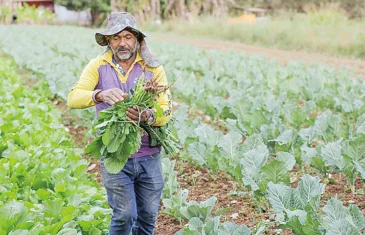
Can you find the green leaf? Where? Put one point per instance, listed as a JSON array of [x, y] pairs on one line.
[[53, 229], [287, 158], [12, 214], [307, 153], [350, 173], [355, 149], [258, 119], [356, 217], [300, 214], [103, 124], [342, 227], [252, 142], [198, 152], [332, 155], [195, 224], [94, 148], [229, 228], [53, 209], [312, 224], [36, 230], [285, 137], [67, 211], [307, 134], [308, 193], [228, 144], [43, 194], [206, 207], [94, 231], [333, 212], [107, 136], [360, 169], [256, 158], [251, 165], [275, 172], [67, 231], [319, 164], [208, 135], [295, 225], [251, 177], [222, 211], [114, 164], [19, 232], [341, 220], [111, 139], [211, 225], [87, 222], [321, 125], [279, 196]]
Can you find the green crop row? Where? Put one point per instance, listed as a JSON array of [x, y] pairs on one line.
[[44, 187]]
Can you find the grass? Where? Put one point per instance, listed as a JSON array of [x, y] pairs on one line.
[[323, 32]]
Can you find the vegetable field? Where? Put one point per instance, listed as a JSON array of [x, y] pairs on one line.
[[291, 138]]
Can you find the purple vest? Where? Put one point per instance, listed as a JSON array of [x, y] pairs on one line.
[[108, 78]]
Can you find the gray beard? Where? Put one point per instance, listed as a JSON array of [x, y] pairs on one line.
[[126, 57]]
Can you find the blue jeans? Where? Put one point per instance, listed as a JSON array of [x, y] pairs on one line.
[[134, 195]]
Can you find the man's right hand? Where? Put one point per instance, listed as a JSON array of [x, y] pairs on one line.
[[111, 96]]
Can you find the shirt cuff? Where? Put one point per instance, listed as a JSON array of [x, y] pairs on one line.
[[94, 94]]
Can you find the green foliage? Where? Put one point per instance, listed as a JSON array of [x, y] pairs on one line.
[[118, 138], [99, 8], [178, 207], [213, 227], [301, 206], [5, 14], [276, 117], [174, 203], [32, 14], [170, 178], [340, 219], [44, 185]]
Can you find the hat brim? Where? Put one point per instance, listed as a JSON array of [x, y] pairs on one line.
[[101, 40]]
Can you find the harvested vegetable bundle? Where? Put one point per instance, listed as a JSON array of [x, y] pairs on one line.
[[118, 138]]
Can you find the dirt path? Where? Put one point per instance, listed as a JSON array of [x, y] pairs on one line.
[[357, 66]]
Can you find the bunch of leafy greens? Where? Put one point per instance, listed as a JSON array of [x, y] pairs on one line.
[[118, 138]]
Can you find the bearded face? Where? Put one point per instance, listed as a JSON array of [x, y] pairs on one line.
[[124, 45]]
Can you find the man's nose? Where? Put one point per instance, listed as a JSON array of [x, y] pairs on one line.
[[123, 41]]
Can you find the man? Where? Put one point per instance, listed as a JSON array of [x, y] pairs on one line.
[[134, 193]]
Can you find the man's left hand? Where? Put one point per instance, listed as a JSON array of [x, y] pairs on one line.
[[138, 114]]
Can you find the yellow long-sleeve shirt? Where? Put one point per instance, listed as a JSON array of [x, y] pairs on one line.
[[102, 73]]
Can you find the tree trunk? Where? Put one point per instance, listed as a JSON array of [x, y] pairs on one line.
[[153, 10], [206, 7], [118, 5], [158, 9], [219, 8], [168, 9], [194, 8], [113, 5], [181, 9]]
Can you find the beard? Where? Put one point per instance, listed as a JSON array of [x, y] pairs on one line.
[[125, 53]]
